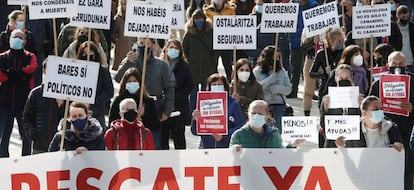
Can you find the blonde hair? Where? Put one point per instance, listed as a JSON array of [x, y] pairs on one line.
[[331, 34], [258, 102]]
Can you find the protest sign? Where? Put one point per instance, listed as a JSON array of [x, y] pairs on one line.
[[378, 71], [213, 110], [342, 125], [152, 19], [44, 9], [319, 19], [93, 14], [343, 97], [394, 89], [17, 2], [279, 17], [294, 127], [178, 13], [231, 32], [71, 79], [371, 20]]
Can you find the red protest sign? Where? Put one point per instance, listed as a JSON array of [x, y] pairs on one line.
[[213, 110], [378, 71], [394, 89]]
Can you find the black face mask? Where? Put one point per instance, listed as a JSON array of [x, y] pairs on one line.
[[344, 83], [82, 38], [397, 70], [91, 58], [378, 61], [131, 115], [403, 22]]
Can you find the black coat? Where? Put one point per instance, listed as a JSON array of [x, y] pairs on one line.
[[184, 82], [396, 38]]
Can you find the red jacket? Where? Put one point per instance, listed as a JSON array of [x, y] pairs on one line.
[[125, 136]]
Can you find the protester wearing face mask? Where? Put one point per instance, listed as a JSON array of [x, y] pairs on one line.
[[235, 119], [343, 77], [128, 133], [396, 64], [130, 87], [248, 89], [376, 131], [17, 67], [402, 36], [381, 53], [83, 133], [175, 126]]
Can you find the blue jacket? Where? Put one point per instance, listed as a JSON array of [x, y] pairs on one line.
[[295, 38], [235, 121]]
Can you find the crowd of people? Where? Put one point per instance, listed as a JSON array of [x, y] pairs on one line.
[[143, 115]]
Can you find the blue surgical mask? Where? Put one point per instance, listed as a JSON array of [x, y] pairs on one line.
[[217, 88], [259, 8], [199, 23], [392, 7], [132, 87], [141, 50], [80, 124], [257, 120], [19, 25], [173, 53], [376, 116], [16, 43]]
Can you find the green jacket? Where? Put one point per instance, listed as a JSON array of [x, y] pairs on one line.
[[250, 139]]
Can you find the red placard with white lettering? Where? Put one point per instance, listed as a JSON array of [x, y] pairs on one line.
[[378, 71], [213, 110], [394, 89]]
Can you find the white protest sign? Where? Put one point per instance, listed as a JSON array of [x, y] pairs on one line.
[[319, 19], [44, 9], [73, 79], [17, 2], [371, 20], [93, 14], [294, 127], [178, 13], [395, 89], [231, 32], [343, 97], [211, 107], [152, 19], [279, 17], [342, 125]]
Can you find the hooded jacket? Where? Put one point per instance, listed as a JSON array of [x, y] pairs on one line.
[[125, 136]]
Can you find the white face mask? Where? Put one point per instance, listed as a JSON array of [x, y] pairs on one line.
[[358, 60], [217, 88], [243, 75]]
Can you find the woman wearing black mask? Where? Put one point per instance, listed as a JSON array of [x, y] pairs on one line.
[[381, 53]]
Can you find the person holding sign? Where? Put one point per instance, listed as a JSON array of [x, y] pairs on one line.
[[17, 67], [129, 133], [84, 132], [218, 83], [376, 130], [275, 82], [248, 89]]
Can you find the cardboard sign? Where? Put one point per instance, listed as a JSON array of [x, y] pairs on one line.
[[342, 125], [17, 2], [45, 9], [152, 19], [372, 20], [319, 19], [231, 32], [213, 110], [294, 127], [394, 89], [178, 13], [73, 79], [279, 17], [378, 71], [93, 14], [343, 97]]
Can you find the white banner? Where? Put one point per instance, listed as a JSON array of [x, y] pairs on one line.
[[262, 169], [178, 13], [17, 2], [279, 17], [319, 19], [45, 9], [343, 97], [296, 127], [231, 32], [93, 14], [152, 19], [69, 78], [342, 125], [372, 20]]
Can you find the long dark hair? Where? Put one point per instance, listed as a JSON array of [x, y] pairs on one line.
[[131, 72], [215, 77], [84, 46], [267, 59], [240, 63], [348, 53]]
